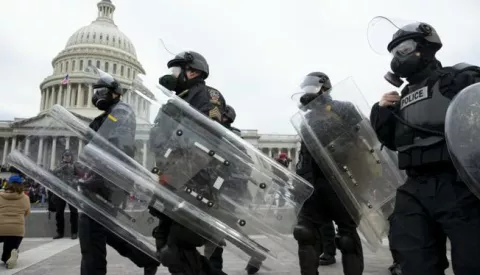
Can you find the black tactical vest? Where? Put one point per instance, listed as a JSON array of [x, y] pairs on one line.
[[423, 105], [306, 164]]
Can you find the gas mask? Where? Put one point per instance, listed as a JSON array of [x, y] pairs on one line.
[[102, 98], [407, 61], [175, 81]]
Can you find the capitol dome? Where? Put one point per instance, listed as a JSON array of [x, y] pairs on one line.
[[103, 31], [99, 44]]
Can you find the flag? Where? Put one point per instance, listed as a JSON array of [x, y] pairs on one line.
[[65, 80]]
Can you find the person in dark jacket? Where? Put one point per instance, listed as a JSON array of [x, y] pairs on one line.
[[175, 243], [434, 203], [324, 206], [65, 171], [117, 124]]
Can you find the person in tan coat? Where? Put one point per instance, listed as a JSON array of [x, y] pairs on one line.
[[14, 207]]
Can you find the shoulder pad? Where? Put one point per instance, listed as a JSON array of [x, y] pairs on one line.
[[462, 67], [212, 89], [122, 107]]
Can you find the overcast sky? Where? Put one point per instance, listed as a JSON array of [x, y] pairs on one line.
[[258, 50]]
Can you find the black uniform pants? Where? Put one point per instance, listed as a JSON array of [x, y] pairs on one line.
[[60, 206], [322, 207], [327, 233], [177, 248], [429, 208], [93, 246], [9, 243]]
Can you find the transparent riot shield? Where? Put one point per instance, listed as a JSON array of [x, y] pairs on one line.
[[203, 181], [114, 218], [462, 125], [339, 136]]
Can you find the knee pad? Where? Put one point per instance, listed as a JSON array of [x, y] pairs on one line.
[[304, 234], [169, 255], [345, 243]]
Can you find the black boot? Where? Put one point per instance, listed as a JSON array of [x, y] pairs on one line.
[[74, 236], [252, 266], [327, 259], [395, 269], [58, 236], [150, 270]]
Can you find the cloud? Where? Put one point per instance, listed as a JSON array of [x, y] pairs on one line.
[[258, 50]]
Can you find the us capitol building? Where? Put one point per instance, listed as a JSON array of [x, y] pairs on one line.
[[103, 45]]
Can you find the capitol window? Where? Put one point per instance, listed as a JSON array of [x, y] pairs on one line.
[[61, 67], [98, 64], [114, 69], [89, 63], [81, 65], [113, 39], [94, 35], [128, 72], [73, 65], [101, 36], [66, 66], [106, 67], [121, 70]]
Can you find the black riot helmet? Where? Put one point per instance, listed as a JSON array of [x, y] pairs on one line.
[[191, 60], [317, 79], [67, 153], [104, 88], [313, 85], [413, 47], [417, 31], [230, 114]]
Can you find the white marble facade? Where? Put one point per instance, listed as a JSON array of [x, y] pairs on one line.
[[103, 45]]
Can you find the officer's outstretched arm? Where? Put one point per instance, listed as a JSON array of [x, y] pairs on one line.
[[383, 122]]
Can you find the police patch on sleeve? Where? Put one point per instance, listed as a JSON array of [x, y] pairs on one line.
[[414, 97], [214, 94]]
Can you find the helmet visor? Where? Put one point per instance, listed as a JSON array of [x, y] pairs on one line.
[[405, 48]]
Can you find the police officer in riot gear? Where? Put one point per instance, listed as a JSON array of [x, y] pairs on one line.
[[176, 244], [66, 172], [216, 252], [117, 124], [434, 203], [324, 205]]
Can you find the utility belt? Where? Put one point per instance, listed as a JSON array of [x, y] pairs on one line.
[[428, 151]]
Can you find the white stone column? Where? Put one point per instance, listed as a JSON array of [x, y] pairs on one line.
[[14, 143], [135, 103], [144, 159], [5, 150], [27, 146], [68, 100], [52, 96], [90, 93], [80, 147], [42, 100], [79, 95], [67, 143], [53, 155], [59, 95], [40, 150], [47, 99]]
